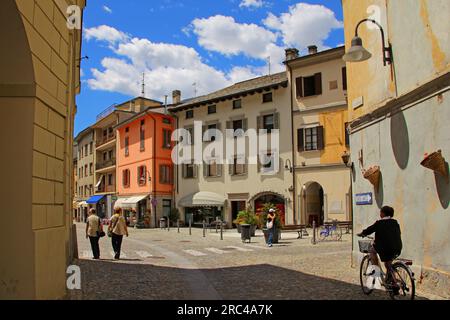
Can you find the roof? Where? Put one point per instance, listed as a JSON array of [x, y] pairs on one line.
[[237, 90], [82, 134], [325, 55], [149, 110]]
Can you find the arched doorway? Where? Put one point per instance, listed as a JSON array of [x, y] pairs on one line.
[[276, 199], [313, 203]]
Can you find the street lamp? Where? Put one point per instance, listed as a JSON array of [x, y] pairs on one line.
[[288, 165], [346, 160], [358, 53]]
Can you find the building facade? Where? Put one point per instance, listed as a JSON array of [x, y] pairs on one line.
[[208, 189], [399, 112], [144, 167], [39, 79], [319, 114], [85, 147]]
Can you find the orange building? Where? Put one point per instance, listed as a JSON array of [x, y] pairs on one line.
[[145, 168]]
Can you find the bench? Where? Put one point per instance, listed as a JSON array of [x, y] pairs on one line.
[[300, 229], [348, 225]]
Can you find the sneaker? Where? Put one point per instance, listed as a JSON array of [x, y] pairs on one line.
[[270, 246]]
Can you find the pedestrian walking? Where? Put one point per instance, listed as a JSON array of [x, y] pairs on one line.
[[117, 229], [270, 227], [94, 231]]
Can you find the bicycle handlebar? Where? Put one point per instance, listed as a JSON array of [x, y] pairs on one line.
[[368, 237]]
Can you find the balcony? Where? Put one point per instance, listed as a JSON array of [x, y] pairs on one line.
[[106, 189], [106, 141], [106, 165], [106, 112]]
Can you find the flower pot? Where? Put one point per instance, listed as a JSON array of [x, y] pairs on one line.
[[239, 230], [436, 162], [253, 230], [373, 175], [276, 235]]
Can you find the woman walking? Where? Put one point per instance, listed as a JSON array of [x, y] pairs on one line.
[[93, 231], [271, 227], [117, 229]]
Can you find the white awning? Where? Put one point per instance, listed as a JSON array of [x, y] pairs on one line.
[[129, 202], [202, 199], [99, 181], [82, 204]]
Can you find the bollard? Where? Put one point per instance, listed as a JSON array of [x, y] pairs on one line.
[[204, 230], [221, 230], [178, 225], [190, 227], [314, 232]]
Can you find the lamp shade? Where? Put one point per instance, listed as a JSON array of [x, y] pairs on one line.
[[357, 52]]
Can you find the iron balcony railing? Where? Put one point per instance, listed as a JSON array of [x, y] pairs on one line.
[[106, 112], [105, 164], [105, 140]]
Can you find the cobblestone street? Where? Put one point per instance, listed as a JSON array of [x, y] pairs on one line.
[[161, 264]]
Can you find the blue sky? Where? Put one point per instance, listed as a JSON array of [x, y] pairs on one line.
[[212, 43]]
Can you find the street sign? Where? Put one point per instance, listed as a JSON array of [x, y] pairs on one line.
[[364, 199]]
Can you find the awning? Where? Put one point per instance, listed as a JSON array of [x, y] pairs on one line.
[[82, 204], [99, 181], [129, 202], [94, 199], [202, 199]]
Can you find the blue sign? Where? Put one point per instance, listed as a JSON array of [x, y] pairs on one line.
[[364, 199]]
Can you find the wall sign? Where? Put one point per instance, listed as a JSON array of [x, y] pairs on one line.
[[364, 199]]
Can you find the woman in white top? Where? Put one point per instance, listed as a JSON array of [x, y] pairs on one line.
[[93, 228], [117, 228]]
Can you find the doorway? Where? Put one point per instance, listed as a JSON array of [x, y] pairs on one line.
[[236, 207], [314, 204]]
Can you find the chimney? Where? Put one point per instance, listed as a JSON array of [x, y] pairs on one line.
[[176, 97], [291, 54], [312, 49]]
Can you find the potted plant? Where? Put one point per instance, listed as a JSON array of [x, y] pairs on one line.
[[436, 162], [246, 217], [174, 216], [277, 223], [373, 174]]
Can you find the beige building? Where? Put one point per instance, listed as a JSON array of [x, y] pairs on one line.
[[105, 150], [85, 146], [399, 109], [319, 114], [39, 79], [224, 189]]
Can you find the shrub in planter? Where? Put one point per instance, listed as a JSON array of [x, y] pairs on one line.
[[246, 217]]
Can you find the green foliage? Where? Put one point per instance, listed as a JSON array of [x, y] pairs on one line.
[[264, 212], [174, 215], [246, 217]]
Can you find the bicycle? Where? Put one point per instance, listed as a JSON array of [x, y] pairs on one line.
[[331, 231], [400, 274]]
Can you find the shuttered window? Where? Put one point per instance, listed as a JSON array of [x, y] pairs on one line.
[[165, 174], [344, 78], [310, 139], [309, 86], [126, 178]]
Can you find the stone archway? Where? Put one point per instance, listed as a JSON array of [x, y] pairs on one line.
[[313, 200], [258, 201]]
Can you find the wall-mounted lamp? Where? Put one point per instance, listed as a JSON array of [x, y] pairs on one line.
[[346, 160], [288, 165], [358, 53]]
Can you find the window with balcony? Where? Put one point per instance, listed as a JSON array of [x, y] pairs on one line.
[[126, 178], [142, 175], [165, 174]]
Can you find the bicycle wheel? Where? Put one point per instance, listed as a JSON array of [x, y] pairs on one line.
[[365, 263], [323, 234], [336, 234], [405, 281]]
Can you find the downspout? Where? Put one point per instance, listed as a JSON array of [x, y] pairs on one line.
[[154, 166], [294, 163]]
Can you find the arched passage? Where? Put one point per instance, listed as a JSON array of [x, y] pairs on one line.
[[313, 203], [259, 200]]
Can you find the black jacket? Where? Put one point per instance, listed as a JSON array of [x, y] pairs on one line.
[[388, 240]]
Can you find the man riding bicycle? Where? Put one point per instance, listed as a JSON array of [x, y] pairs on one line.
[[388, 242]]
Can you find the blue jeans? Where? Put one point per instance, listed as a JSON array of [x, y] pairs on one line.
[[270, 236]]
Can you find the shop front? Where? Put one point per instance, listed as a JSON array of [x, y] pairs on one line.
[[203, 206], [99, 204], [135, 210]]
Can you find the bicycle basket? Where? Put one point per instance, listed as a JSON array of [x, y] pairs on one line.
[[365, 245]]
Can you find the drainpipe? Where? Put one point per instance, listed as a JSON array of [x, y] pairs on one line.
[[154, 164], [294, 163]]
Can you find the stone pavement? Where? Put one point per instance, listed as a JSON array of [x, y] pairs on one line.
[[167, 265]]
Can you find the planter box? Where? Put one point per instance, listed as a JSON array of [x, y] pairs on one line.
[[276, 235]]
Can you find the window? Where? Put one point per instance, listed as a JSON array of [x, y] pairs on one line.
[[165, 176], [268, 162], [267, 97], [188, 139], [110, 132], [86, 170], [268, 122], [91, 169], [344, 78], [80, 172], [127, 145], [238, 166], [127, 129], [105, 156], [167, 139], [189, 114], [210, 136], [85, 191], [142, 175], [347, 134], [91, 190], [142, 136], [237, 104], [189, 171], [91, 147], [309, 86], [238, 124], [167, 121], [110, 179], [110, 155], [167, 207], [126, 178], [310, 139], [212, 169], [212, 109]]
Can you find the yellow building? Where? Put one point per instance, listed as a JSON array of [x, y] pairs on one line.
[[399, 107], [39, 79], [319, 115]]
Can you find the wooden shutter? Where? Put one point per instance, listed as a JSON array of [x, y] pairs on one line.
[[320, 138], [301, 140], [318, 83], [347, 134], [344, 78], [276, 120], [299, 87]]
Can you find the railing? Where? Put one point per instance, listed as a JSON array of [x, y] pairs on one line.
[[106, 112], [105, 164], [103, 189], [105, 140]]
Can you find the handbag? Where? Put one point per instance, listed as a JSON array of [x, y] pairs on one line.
[[100, 232], [112, 227]]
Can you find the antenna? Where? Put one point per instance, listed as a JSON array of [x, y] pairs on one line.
[[269, 63], [143, 84], [195, 89]]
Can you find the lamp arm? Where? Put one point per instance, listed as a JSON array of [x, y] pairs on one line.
[[387, 50]]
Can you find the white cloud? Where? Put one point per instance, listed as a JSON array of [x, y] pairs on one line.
[[251, 3], [107, 9], [224, 35], [304, 25], [105, 33]]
